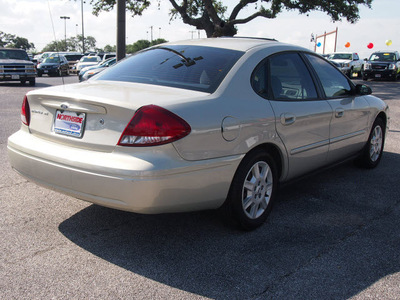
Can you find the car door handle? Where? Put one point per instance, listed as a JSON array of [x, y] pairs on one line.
[[339, 112], [288, 119]]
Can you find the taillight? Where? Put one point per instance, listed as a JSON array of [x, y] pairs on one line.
[[25, 112], [153, 125]]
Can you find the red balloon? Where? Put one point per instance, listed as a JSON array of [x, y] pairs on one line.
[[370, 46]]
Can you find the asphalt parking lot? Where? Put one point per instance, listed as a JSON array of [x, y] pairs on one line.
[[331, 235]]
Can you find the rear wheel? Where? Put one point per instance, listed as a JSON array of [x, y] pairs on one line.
[[359, 73], [351, 72], [252, 191], [373, 150]]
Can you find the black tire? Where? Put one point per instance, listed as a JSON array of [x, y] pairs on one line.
[[255, 180], [39, 74], [373, 149], [351, 73], [359, 74]]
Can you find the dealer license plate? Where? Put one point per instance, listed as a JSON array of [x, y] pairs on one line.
[[14, 76], [69, 123], [378, 75]]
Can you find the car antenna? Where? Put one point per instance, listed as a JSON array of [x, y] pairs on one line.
[[54, 34]]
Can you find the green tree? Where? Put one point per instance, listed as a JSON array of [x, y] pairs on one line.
[[157, 41], [109, 48], [211, 15], [13, 41], [73, 44], [5, 39], [54, 46], [143, 44], [137, 46]]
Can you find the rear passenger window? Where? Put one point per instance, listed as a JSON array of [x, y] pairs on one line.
[[334, 83], [284, 77]]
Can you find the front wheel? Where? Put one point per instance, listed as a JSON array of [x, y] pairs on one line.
[[252, 191], [373, 150]]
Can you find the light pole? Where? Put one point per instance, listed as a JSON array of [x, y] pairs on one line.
[[65, 29], [83, 32]]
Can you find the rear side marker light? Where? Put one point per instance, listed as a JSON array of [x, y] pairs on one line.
[[25, 112], [153, 125]]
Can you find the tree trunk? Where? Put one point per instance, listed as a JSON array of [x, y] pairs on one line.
[[224, 29]]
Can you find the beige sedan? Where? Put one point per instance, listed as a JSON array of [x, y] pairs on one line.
[[198, 124]]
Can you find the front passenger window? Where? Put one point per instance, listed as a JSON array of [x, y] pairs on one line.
[[334, 83]]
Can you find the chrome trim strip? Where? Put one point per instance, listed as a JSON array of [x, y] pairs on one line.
[[347, 136], [309, 147]]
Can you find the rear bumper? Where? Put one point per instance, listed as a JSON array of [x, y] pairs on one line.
[[145, 182], [17, 77]]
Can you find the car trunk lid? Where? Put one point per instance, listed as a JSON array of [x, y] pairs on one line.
[[93, 115]]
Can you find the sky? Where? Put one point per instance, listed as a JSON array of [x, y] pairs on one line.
[[39, 21]]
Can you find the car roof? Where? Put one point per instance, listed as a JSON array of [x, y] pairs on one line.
[[232, 43]]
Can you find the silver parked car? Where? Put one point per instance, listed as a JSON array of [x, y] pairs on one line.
[[198, 124]]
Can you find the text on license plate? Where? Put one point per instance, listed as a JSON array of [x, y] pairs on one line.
[[69, 123]]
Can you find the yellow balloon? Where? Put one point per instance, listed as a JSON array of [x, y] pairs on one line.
[[388, 42]]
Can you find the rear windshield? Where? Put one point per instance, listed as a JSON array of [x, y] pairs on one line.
[[341, 56], [73, 57], [13, 54], [188, 67], [90, 59]]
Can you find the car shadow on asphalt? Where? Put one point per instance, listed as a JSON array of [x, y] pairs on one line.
[[330, 235], [26, 85]]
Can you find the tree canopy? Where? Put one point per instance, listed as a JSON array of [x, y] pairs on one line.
[[73, 44], [212, 16], [12, 41]]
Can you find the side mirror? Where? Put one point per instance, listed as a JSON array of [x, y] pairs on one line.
[[363, 89], [366, 59]]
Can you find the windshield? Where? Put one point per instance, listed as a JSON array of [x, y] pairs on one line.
[[52, 60], [90, 59], [189, 67], [382, 57], [13, 54], [341, 56]]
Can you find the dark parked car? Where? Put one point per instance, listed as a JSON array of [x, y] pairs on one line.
[[382, 65], [73, 59], [53, 66], [15, 65]]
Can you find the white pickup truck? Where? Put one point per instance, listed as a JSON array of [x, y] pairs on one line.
[[349, 62]]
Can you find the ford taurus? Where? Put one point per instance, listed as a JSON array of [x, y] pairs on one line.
[[198, 124]]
